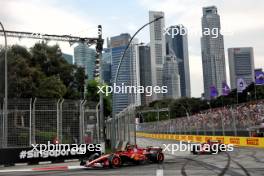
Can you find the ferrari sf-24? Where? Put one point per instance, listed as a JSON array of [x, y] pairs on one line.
[[131, 154]]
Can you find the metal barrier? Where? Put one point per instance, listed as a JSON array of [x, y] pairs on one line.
[[224, 121], [37, 121], [122, 127]]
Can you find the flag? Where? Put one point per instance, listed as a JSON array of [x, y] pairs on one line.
[[259, 77], [213, 91], [241, 85], [225, 89]]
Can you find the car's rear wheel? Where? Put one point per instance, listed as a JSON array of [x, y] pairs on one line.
[[160, 157], [156, 157], [194, 152]]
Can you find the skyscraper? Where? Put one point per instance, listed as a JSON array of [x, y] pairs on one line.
[[68, 58], [212, 47], [127, 72], [85, 57], [171, 78], [106, 65], [177, 45], [145, 71], [241, 65], [157, 49]]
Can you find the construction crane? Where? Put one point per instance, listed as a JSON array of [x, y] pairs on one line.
[[63, 38]]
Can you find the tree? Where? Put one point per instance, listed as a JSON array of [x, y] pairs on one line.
[[92, 88], [51, 87], [29, 70], [92, 95]]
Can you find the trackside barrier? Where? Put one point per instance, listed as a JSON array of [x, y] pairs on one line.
[[122, 127], [10, 156], [237, 141]]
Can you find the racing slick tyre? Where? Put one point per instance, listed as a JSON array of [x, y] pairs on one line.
[[157, 157], [114, 161], [160, 157], [194, 150], [83, 161]]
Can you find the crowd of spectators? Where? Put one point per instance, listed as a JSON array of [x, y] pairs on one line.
[[239, 117]]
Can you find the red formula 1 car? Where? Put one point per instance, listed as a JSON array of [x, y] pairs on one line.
[[209, 147], [132, 154]]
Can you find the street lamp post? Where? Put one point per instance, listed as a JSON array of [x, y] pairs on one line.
[[121, 60], [99, 48], [4, 143], [130, 41]]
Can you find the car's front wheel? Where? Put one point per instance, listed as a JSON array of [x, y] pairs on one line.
[[115, 161]]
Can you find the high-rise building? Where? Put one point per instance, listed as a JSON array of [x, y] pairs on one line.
[[145, 72], [85, 57], [157, 49], [127, 75], [212, 47], [241, 65], [68, 58], [171, 78], [135, 70], [106, 65], [177, 45]]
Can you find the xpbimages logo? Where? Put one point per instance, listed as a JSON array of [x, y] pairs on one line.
[[197, 147], [123, 89], [55, 150], [181, 30]]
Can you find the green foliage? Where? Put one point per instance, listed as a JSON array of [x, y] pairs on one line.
[[92, 90], [92, 95], [108, 105], [45, 135], [41, 72], [51, 87]]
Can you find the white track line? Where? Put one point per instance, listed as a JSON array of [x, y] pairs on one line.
[[16, 170], [53, 168]]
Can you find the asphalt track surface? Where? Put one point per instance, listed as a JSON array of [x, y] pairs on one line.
[[240, 162]]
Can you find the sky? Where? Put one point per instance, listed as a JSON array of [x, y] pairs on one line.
[[241, 21]]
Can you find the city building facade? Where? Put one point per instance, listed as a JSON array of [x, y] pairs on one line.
[[171, 78], [212, 47], [145, 71], [68, 58], [157, 50], [177, 45], [127, 74], [85, 57], [241, 65]]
